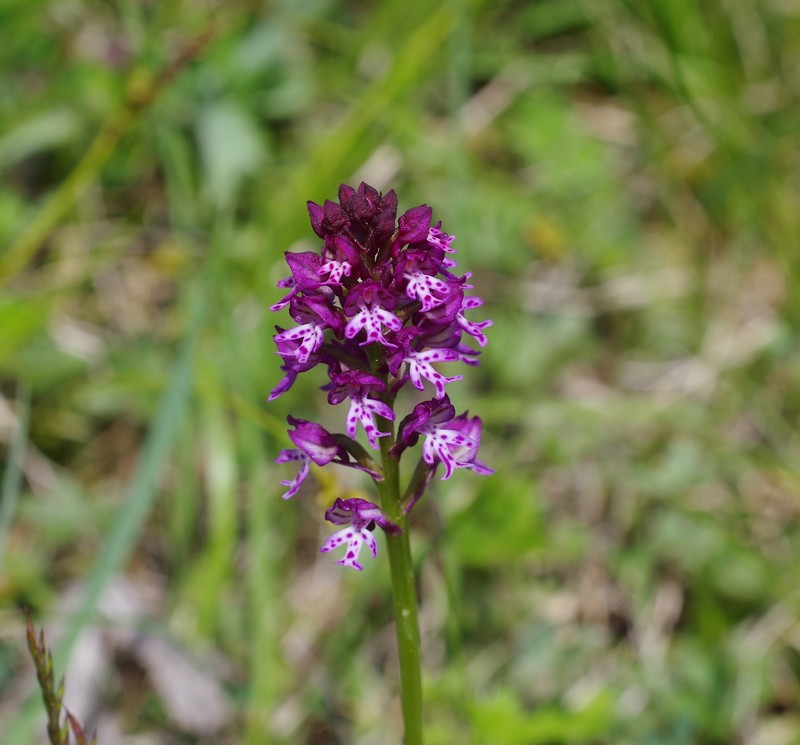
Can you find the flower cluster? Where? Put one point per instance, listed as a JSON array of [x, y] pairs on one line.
[[377, 306]]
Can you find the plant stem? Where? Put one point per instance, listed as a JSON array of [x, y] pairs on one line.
[[404, 595]]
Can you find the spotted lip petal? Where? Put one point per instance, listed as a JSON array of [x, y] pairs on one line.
[[419, 367], [362, 410], [439, 239], [449, 439], [287, 456], [371, 306], [466, 454], [360, 517], [455, 444]]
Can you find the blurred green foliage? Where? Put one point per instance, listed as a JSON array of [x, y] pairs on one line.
[[623, 180]]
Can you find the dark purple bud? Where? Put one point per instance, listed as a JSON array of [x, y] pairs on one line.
[[384, 226], [369, 192], [334, 219], [315, 441], [305, 269], [413, 225], [346, 196], [362, 211], [384, 221], [389, 202], [316, 213]]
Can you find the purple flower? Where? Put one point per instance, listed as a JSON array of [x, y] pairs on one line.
[[419, 367], [291, 367], [419, 364], [371, 306], [335, 270], [355, 386], [377, 307], [376, 281], [308, 336], [360, 517], [314, 316], [314, 443], [434, 412], [439, 239], [417, 268], [449, 439], [414, 225], [473, 329], [465, 452], [305, 269]]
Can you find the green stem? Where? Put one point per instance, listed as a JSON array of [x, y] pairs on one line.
[[404, 591], [404, 595]]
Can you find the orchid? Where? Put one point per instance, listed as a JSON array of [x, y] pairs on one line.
[[377, 307], [361, 517]]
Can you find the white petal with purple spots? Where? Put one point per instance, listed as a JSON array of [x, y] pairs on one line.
[[355, 538], [419, 367], [310, 336], [362, 410], [288, 456], [430, 291]]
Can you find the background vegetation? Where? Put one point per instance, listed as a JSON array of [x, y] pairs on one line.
[[623, 181]]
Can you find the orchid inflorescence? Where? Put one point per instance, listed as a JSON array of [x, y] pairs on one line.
[[377, 306]]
